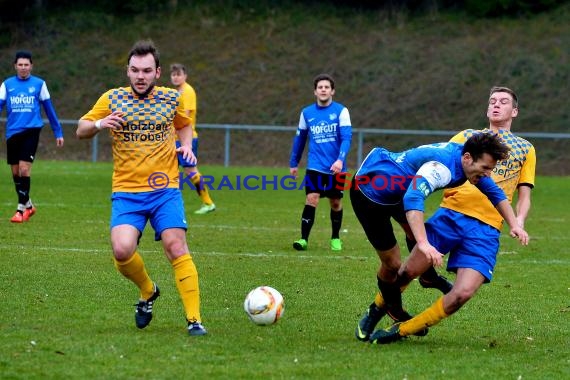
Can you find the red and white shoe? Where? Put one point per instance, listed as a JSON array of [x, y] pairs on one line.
[[18, 217], [28, 213]]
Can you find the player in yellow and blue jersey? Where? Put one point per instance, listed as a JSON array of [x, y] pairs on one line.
[[467, 225], [142, 121], [179, 78]]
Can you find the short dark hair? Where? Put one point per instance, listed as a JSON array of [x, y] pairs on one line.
[[321, 77], [508, 91], [23, 54], [177, 67], [486, 142], [144, 47]]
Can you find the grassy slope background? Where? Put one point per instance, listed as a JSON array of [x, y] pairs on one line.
[[255, 66]]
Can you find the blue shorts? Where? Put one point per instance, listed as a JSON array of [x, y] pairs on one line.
[[164, 208], [469, 242], [181, 161]]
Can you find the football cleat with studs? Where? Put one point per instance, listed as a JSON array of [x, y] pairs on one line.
[[143, 311], [18, 217], [336, 245], [300, 245], [196, 329], [385, 336], [368, 322], [205, 209], [29, 212]]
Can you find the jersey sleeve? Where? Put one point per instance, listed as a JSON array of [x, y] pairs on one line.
[[45, 100], [461, 137], [44, 93], [189, 99], [345, 134], [2, 96], [528, 169], [181, 118], [52, 117], [488, 187], [101, 108], [299, 142], [430, 176]]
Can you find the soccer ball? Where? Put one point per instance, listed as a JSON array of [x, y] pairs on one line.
[[264, 305]]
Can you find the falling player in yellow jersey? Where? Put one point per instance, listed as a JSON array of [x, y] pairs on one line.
[[142, 120], [179, 78], [467, 225]]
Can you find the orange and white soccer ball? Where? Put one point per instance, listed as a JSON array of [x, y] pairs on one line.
[[264, 305]]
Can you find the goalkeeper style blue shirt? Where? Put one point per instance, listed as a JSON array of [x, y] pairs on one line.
[[330, 133], [411, 176], [22, 98]]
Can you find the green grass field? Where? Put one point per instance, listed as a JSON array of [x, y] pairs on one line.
[[65, 312]]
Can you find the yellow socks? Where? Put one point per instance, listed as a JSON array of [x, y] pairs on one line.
[[202, 191], [133, 269], [186, 277], [378, 300], [429, 317]]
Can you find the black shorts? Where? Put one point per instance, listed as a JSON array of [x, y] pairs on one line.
[[327, 185], [375, 219], [22, 146]]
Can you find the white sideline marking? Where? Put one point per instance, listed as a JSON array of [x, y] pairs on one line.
[[504, 236], [243, 227], [264, 255], [194, 253], [191, 225]]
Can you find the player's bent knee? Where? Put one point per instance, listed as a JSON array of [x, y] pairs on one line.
[[461, 296], [176, 248], [122, 254], [410, 273], [312, 199], [123, 250]]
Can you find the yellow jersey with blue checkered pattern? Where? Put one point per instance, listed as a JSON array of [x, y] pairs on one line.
[[143, 147], [516, 170], [189, 99]]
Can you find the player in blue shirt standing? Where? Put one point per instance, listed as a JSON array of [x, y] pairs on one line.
[[22, 94], [395, 185], [326, 124]]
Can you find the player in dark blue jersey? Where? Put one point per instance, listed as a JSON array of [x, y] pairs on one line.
[[395, 185], [23, 94], [326, 124]]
